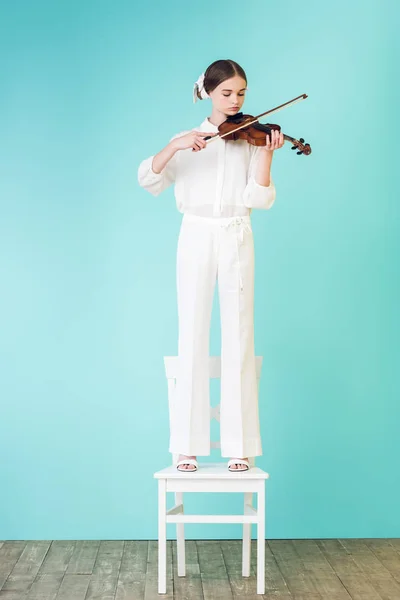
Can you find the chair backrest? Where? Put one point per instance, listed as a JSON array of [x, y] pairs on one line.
[[171, 372]]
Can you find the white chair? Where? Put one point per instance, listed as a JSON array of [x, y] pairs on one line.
[[210, 477]]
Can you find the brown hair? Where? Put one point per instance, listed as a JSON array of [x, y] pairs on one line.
[[220, 71]]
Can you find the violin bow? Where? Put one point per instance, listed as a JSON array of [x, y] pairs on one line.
[[255, 120]]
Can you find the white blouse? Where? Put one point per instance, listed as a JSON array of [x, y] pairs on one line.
[[218, 181]]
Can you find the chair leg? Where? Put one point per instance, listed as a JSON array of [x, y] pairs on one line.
[[180, 539], [261, 538], [162, 536], [246, 543]]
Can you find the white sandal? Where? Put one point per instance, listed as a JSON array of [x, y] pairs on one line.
[[238, 461], [187, 461]]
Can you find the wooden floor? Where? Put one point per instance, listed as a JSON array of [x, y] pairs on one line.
[[117, 570]]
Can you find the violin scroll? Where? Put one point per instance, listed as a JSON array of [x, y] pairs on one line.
[[300, 145]]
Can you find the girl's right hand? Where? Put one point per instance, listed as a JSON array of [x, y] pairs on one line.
[[193, 139]]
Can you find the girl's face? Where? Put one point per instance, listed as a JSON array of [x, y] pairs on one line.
[[228, 97]]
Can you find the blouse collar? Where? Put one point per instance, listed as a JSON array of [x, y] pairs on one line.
[[207, 126]]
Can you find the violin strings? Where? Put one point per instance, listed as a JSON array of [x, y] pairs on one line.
[[268, 112]]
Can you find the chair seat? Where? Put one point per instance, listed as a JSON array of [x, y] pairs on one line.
[[208, 470]]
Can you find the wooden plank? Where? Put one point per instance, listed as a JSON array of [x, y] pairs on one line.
[[151, 587], [10, 552], [58, 557], [242, 587], [387, 554], [378, 574], [326, 581], [232, 553], [350, 574], [275, 584], [26, 568], [108, 559], [190, 586], [395, 542], [214, 576], [299, 581], [83, 557], [132, 576], [45, 586], [103, 582], [73, 587], [10, 595], [52, 570]]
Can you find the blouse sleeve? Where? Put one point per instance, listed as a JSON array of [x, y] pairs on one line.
[[256, 195], [155, 183]]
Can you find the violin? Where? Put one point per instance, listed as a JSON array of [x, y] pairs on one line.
[[247, 127]]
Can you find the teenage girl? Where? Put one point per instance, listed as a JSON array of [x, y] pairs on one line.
[[217, 184]]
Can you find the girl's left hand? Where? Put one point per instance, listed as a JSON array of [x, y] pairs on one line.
[[274, 141]]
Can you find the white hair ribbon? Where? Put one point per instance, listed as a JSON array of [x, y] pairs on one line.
[[199, 88]]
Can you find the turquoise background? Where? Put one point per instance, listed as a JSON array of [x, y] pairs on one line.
[[87, 262]]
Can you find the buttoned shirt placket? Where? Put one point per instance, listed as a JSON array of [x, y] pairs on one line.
[[220, 177]]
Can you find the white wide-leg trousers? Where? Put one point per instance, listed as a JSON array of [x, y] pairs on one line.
[[211, 249]]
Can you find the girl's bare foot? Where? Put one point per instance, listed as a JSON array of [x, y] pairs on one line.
[[239, 466], [186, 467]]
